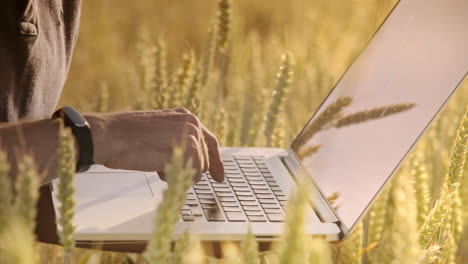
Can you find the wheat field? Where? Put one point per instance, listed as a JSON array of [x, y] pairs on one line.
[[254, 72]]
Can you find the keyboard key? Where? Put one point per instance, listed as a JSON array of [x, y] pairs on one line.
[[191, 202], [217, 184], [191, 197], [204, 191], [261, 191], [235, 217], [239, 184], [273, 211], [244, 193], [208, 201], [260, 187], [186, 212], [188, 218], [257, 219], [275, 188], [265, 196], [257, 182], [247, 165], [262, 166], [283, 203], [246, 198], [201, 186], [197, 212], [224, 194], [276, 217], [232, 209], [223, 204], [209, 206], [251, 213], [249, 202], [252, 174], [264, 170], [270, 206], [249, 170], [206, 196], [240, 188], [236, 181], [252, 208], [214, 215], [267, 201], [278, 193], [227, 198], [227, 159], [281, 198], [222, 189]]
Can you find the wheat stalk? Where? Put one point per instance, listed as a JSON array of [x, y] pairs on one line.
[[376, 113], [293, 248], [223, 25], [350, 247], [182, 80], [66, 190], [209, 55], [250, 249], [192, 99], [331, 112], [179, 179], [284, 79], [421, 187], [182, 245], [221, 126], [27, 192], [6, 195], [160, 76]]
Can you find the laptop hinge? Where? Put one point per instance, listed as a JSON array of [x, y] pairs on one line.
[[320, 204]]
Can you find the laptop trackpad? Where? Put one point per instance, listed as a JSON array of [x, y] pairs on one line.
[[110, 199]]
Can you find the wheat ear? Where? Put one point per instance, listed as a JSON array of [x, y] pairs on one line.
[[160, 76], [6, 195], [420, 178], [27, 192], [223, 24], [179, 178], [331, 112], [221, 125], [303, 153], [182, 80], [283, 80], [350, 247], [103, 98], [208, 55], [376, 113], [66, 189]]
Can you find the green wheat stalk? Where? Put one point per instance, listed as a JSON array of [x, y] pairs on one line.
[[221, 126], [179, 179], [66, 190], [283, 80], [182, 246]]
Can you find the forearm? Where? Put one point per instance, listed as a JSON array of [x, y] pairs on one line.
[[36, 138]]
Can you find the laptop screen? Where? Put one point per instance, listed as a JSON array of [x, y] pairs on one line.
[[382, 104]]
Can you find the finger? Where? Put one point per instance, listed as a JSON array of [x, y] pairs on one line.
[[216, 164], [191, 130], [193, 153], [162, 175]]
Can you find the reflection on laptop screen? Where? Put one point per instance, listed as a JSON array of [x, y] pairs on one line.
[[384, 101]]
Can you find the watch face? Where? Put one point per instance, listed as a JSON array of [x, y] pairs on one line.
[[75, 117]]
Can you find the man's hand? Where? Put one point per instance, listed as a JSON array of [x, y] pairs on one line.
[[144, 141]]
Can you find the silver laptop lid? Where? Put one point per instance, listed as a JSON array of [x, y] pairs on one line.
[[412, 65]]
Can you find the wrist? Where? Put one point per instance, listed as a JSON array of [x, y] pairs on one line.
[[99, 133]]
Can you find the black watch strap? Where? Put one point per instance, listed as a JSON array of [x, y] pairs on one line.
[[81, 129]]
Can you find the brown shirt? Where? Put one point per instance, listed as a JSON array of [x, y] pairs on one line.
[[36, 43]]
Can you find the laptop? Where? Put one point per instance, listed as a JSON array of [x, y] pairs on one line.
[[411, 67]]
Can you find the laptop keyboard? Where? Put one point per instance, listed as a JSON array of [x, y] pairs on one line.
[[249, 193]]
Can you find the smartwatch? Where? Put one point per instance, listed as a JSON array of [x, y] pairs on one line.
[[82, 132]]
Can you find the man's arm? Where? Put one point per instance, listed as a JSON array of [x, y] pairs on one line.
[[133, 140]]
